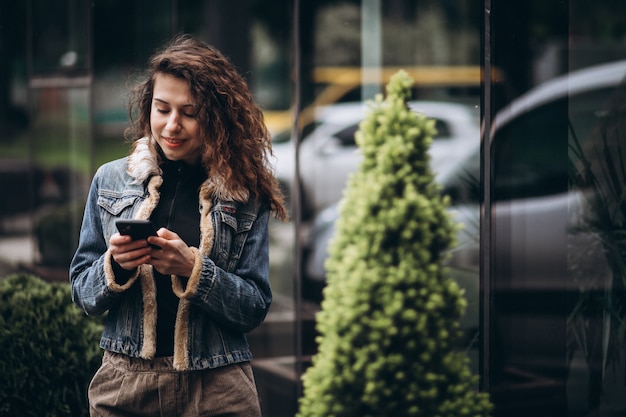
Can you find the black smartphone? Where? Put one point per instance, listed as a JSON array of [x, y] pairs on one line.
[[136, 229]]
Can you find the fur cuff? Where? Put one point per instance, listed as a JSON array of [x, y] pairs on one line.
[[110, 275], [192, 282]]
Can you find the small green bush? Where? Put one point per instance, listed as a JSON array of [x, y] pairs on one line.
[[389, 324], [49, 349]]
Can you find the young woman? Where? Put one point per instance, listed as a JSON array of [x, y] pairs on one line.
[[180, 302]]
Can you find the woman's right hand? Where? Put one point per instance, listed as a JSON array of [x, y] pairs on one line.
[[127, 253]]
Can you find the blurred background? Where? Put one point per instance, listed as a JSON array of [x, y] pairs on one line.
[[528, 103]]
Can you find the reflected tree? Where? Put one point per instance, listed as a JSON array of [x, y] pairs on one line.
[[596, 325]]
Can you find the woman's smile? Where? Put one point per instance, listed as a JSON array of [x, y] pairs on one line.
[[173, 142]]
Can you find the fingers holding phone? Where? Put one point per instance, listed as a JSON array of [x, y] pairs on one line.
[[130, 247], [175, 258]]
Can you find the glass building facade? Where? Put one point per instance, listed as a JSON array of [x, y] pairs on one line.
[[528, 97]]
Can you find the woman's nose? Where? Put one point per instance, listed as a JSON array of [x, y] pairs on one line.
[[173, 122]]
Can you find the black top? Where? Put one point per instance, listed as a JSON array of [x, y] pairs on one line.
[[179, 211]]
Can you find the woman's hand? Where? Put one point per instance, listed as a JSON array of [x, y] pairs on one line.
[[174, 257], [127, 253]]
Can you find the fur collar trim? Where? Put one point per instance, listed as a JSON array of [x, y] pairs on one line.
[[142, 164]]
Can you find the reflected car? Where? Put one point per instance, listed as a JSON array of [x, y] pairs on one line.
[[528, 123], [550, 271], [329, 154], [553, 150]]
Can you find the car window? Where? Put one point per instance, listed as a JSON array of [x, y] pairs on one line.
[[346, 135], [530, 156], [531, 153], [285, 135], [443, 129], [282, 136]]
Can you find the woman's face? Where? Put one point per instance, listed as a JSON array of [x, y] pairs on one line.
[[173, 120]]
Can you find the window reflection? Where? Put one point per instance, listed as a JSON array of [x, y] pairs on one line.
[[419, 38], [556, 195], [61, 155], [59, 36], [596, 325]]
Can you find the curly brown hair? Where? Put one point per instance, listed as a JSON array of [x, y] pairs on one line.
[[240, 143]]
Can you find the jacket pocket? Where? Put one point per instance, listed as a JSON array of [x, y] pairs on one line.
[[115, 202], [117, 205], [232, 231]]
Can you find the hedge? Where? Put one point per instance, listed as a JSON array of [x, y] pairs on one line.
[[49, 349]]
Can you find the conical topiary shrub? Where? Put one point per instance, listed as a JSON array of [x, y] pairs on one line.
[[389, 323]]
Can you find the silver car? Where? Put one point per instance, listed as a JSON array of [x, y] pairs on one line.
[[328, 155]]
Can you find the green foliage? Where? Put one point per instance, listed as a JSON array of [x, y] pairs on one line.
[[49, 349], [389, 323]]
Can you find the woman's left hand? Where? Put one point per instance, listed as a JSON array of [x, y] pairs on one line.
[[174, 257]]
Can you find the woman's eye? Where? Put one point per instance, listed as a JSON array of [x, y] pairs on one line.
[[189, 111], [162, 111]]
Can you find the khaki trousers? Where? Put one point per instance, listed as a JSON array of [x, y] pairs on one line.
[[125, 386]]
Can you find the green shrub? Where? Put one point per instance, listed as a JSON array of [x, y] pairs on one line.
[[49, 349], [389, 324]]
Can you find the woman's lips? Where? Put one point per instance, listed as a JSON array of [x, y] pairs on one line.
[[173, 142]]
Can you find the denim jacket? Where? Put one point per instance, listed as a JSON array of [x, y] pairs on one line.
[[227, 294]]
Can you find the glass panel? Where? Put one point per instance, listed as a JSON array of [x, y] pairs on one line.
[[596, 245], [442, 73], [16, 171], [61, 155], [46, 157], [556, 334], [45, 174], [257, 38], [46, 150], [60, 36], [438, 44]]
